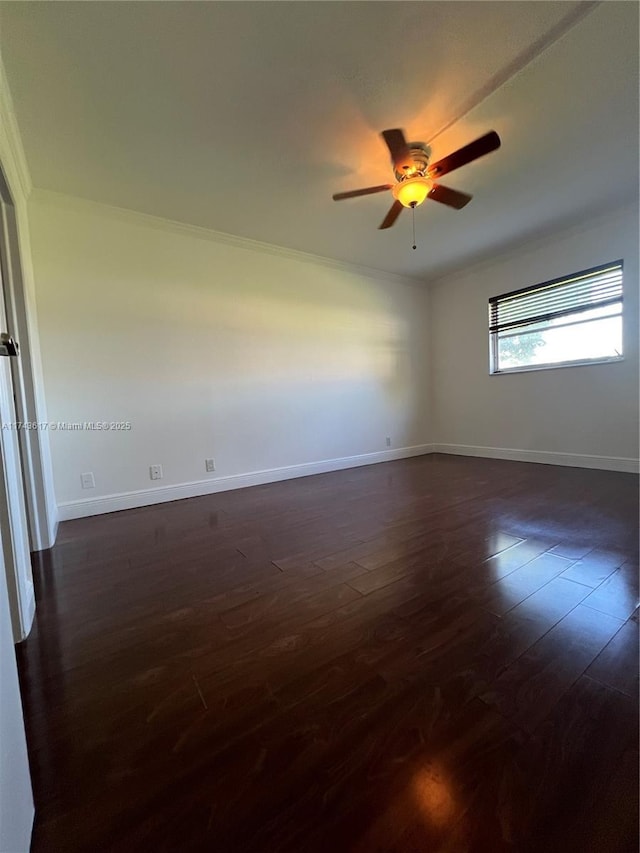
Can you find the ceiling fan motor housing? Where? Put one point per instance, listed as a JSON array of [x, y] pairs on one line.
[[420, 154]]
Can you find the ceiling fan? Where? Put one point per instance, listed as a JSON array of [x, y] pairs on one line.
[[415, 175]]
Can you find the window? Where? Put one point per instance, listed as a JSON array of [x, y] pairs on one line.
[[572, 320]]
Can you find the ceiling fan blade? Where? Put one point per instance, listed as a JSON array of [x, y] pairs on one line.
[[365, 191], [397, 145], [394, 212], [487, 143], [445, 195]]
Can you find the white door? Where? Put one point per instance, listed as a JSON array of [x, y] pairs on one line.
[[16, 799], [13, 518]]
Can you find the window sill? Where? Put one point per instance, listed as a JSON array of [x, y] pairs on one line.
[[538, 367]]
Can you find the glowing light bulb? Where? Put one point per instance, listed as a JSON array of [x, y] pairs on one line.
[[412, 191]]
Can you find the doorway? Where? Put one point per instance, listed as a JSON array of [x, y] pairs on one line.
[[23, 509]]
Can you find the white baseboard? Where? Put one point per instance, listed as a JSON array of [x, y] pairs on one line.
[[163, 494], [147, 497], [544, 457], [47, 538], [53, 530], [28, 615]]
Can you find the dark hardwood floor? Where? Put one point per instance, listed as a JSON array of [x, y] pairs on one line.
[[436, 654]]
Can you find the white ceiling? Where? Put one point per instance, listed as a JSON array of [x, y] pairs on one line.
[[246, 117]]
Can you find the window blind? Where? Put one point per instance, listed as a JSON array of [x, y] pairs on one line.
[[582, 291]]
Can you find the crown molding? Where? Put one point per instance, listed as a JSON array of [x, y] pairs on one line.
[[10, 139], [123, 214], [536, 240]]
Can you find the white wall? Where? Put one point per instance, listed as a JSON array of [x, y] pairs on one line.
[[16, 801], [260, 358], [590, 411]]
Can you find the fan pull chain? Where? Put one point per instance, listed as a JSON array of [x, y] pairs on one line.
[[413, 219]]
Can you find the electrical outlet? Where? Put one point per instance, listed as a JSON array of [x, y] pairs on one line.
[[210, 465], [388, 441], [87, 480], [155, 472]]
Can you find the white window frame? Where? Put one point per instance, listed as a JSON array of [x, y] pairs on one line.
[[494, 370]]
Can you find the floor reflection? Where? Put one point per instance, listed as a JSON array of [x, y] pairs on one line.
[[434, 796]]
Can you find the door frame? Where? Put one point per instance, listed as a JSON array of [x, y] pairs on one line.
[[31, 479], [30, 441]]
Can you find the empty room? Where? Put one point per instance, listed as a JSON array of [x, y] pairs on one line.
[[319, 381]]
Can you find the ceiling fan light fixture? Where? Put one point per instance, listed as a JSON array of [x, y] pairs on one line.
[[412, 191]]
